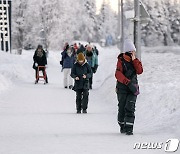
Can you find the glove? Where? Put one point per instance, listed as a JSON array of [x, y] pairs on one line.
[[134, 88], [36, 64]]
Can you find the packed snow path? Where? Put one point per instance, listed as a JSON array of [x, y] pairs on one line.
[[41, 119]]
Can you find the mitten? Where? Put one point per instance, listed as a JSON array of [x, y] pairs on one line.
[[134, 88]]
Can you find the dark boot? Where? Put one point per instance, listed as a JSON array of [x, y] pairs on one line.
[[122, 129], [129, 130], [129, 133], [84, 111], [78, 111]]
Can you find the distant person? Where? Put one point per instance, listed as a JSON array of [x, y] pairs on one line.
[[92, 60], [96, 50], [68, 60], [65, 45], [81, 73], [81, 49], [75, 47], [128, 66], [40, 60]]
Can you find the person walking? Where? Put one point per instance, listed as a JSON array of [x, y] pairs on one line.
[[81, 73], [68, 61], [127, 89], [92, 60]]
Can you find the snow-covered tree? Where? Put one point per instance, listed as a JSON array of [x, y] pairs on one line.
[[107, 21], [159, 30], [18, 24]]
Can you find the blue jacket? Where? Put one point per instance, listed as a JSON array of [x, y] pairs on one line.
[[68, 61]]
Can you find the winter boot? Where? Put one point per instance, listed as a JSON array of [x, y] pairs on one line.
[[129, 133], [84, 111], [122, 129], [129, 130], [36, 81], [78, 111], [65, 87]]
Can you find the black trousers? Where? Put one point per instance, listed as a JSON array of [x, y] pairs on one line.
[[44, 73], [126, 110], [91, 81], [82, 97]]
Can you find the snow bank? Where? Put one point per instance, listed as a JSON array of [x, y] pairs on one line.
[[158, 106], [14, 68], [48, 124]]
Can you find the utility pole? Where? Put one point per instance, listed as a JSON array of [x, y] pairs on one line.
[[137, 34], [118, 26], [122, 27]]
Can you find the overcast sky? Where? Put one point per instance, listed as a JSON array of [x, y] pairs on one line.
[[114, 4]]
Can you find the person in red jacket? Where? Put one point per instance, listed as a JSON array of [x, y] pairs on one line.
[[127, 89]]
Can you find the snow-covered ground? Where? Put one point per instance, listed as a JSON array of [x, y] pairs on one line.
[[41, 119]]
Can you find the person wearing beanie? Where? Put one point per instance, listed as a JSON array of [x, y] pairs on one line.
[[92, 60], [127, 89], [129, 46], [81, 72]]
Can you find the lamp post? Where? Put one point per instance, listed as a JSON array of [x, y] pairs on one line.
[[120, 26], [137, 34]]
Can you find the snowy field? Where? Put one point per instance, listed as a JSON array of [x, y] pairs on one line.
[[41, 119]]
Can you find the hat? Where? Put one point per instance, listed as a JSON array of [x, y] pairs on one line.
[[80, 57], [40, 46], [89, 47], [129, 46]]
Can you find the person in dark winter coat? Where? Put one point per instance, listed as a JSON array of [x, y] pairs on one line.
[[92, 60], [81, 73], [68, 61], [96, 50], [81, 49], [40, 60], [128, 66]]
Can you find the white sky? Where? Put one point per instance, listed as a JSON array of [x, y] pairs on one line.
[[114, 4]]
